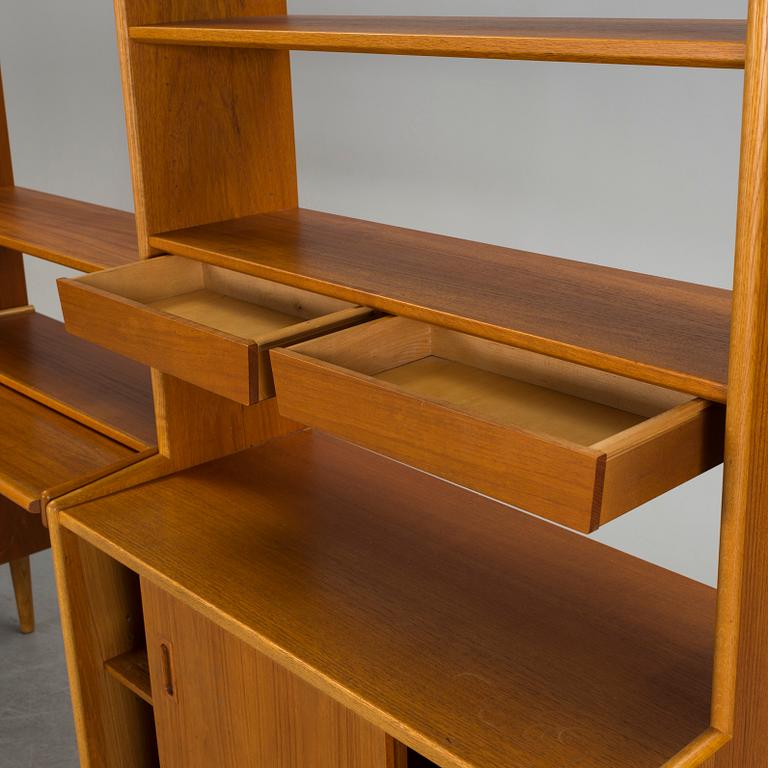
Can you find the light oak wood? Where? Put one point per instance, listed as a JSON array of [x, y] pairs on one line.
[[469, 411], [237, 156], [197, 322], [264, 715], [93, 386], [101, 618], [468, 631], [670, 42], [131, 669], [741, 673], [662, 331], [79, 235], [22, 590], [30, 464]]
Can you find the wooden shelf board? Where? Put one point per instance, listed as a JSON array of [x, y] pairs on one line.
[[473, 633], [132, 670], [41, 449], [671, 42], [662, 331], [98, 388], [80, 235]]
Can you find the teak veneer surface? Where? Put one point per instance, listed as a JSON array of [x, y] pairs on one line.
[[80, 235], [662, 331], [88, 383], [353, 571], [672, 42], [40, 449]]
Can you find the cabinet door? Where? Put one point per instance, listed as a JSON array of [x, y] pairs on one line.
[[218, 702]]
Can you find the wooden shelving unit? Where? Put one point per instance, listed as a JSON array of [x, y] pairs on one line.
[[305, 601], [69, 411]]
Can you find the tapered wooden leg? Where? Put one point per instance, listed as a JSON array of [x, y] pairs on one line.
[[21, 576]]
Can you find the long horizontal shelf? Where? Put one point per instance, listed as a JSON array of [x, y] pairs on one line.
[[80, 235], [41, 449], [98, 388], [666, 332], [473, 633], [132, 670], [669, 42]]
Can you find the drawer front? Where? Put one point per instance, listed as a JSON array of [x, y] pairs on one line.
[[553, 479], [208, 358]]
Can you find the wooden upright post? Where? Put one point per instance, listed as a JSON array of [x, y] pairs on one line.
[[13, 290], [740, 706]]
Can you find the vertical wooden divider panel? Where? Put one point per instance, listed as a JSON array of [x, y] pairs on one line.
[[741, 673], [210, 135], [101, 616], [13, 289], [261, 710]]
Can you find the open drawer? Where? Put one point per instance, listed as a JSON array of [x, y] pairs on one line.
[[572, 444], [203, 324]]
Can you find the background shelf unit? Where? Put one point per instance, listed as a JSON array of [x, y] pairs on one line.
[[79, 235], [669, 42], [662, 331], [351, 571]]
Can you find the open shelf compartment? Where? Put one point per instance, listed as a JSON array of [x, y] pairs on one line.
[[665, 332], [475, 634], [669, 42], [206, 325], [131, 669], [572, 444]]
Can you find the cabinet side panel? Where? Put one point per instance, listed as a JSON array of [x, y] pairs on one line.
[[219, 702], [210, 130], [101, 618]]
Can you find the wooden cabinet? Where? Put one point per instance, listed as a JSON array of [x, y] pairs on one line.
[[219, 702]]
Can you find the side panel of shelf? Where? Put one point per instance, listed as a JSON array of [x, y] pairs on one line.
[[210, 131]]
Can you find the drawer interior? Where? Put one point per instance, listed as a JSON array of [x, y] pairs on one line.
[[239, 305], [494, 382]]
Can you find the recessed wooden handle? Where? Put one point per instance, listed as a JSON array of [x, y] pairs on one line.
[[165, 655]]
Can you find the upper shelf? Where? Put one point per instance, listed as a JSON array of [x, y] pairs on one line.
[[468, 630], [667, 42], [98, 388], [80, 235], [666, 332]]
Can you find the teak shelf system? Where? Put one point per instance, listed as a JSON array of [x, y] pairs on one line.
[[256, 592]]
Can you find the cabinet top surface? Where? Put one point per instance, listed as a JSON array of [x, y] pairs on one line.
[[475, 633]]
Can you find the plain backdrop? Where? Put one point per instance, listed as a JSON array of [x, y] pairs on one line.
[[626, 166]]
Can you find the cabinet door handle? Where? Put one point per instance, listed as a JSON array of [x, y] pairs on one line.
[[165, 657]]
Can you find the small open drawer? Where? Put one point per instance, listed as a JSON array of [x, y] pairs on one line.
[[206, 325], [569, 443]]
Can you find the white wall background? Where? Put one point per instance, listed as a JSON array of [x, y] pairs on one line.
[[629, 167]]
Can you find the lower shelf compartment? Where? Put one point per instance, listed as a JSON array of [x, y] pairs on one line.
[[474, 634], [132, 670]]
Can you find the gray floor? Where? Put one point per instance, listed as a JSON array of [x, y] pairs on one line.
[[36, 729]]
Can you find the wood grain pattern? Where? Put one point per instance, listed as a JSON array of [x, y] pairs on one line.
[[741, 673], [177, 316], [101, 618], [131, 669], [671, 42], [98, 388], [41, 449], [264, 715], [351, 571], [666, 332], [466, 411], [79, 235], [237, 156], [21, 575]]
